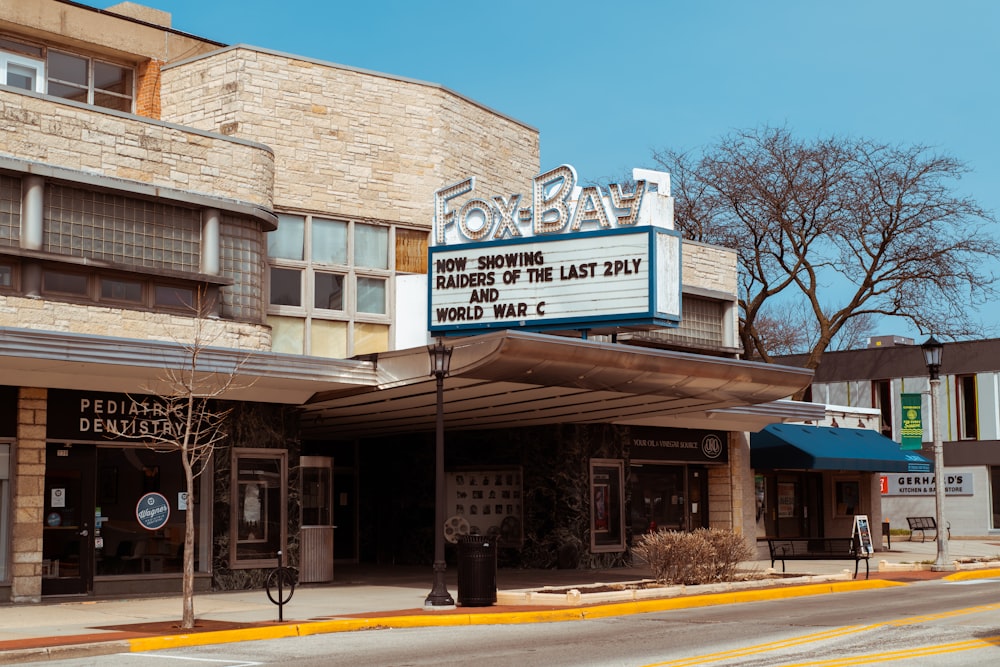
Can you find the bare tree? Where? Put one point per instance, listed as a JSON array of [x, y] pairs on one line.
[[791, 328], [852, 229], [184, 401]]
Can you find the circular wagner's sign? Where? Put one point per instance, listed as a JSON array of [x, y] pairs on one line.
[[152, 511]]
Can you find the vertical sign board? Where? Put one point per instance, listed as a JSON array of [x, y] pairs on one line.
[[863, 533], [912, 432]]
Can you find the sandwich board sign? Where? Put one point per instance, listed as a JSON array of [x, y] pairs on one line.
[[863, 533]]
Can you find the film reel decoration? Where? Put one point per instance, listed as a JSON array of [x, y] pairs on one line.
[[455, 526]]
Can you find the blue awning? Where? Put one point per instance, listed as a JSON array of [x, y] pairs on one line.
[[801, 447]]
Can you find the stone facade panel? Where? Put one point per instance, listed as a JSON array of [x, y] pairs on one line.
[[88, 139], [709, 267], [347, 142], [102, 321]]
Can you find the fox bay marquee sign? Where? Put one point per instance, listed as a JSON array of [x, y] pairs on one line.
[[577, 258]]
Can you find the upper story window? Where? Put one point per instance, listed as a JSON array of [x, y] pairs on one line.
[[968, 408], [331, 283], [882, 399], [67, 75], [6, 275], [89, 81]]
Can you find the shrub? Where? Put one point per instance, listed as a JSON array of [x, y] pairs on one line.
[[704, 556]]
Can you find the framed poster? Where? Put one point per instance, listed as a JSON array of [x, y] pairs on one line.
[[787, 499], [607, 505], [848, 498]]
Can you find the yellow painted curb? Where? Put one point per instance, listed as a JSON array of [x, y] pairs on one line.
[[214, 637], [965, 575], [302, 629]]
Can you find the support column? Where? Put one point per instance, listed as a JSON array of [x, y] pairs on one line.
[[29, 496]]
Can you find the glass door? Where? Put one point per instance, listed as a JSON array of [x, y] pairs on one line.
[[697, 497], [67, 532], [658, 498]]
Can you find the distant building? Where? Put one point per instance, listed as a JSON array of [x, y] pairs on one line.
[[970, 426]]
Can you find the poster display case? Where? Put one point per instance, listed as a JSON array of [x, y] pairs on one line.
[[607, 505]]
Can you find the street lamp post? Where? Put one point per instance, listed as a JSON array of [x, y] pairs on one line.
[[932, 357], [439, 597]]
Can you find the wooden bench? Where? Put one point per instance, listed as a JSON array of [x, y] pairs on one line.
[[924, 523], [818, 548]]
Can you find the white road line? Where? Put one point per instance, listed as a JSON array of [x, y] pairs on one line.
[[231, 663]]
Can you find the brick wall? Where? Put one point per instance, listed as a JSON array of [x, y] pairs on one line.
[[147, 92], [349, 142]]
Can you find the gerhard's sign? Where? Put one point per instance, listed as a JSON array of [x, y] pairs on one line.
[[577, 258]]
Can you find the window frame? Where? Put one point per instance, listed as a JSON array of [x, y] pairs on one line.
[[350, 273], [238, 453], [882, 399], [967, 399], [94, 277], [89, 88], [41, 65], [7, 58]]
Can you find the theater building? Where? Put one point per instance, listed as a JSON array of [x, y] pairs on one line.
[[162, 193]]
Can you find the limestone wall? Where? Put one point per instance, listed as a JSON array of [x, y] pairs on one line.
[[39, 314], [709, 267], [115, 145], [29, 497], [349, 142]]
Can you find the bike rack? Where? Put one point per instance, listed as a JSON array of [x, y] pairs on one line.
[[281, 600]]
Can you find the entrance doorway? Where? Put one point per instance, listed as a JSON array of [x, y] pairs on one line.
[[789, 504], [68, 532], [668, 497]]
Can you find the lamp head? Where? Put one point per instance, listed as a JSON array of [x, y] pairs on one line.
[[440, 358], [932, 356]]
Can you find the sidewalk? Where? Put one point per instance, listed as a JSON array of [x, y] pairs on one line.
[[364, 597]]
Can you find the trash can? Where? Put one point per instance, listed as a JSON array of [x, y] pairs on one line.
[[477, 570]]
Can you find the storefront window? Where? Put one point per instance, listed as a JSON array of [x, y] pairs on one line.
[[607, 509], [848, 500], [259, 490], [124, 475]]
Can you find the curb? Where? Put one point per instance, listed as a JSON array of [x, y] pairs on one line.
[[66, 652], [593, 611], [498, 618]]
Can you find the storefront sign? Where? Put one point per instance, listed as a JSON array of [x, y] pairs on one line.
[[91, 415], [675, 444], [956, 484], [152, 511], [557, 206], [586, 263]]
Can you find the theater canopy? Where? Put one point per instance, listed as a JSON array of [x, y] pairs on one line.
[[511, 379], [801, 447]]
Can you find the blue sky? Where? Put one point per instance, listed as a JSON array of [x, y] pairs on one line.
[[606, 83]]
